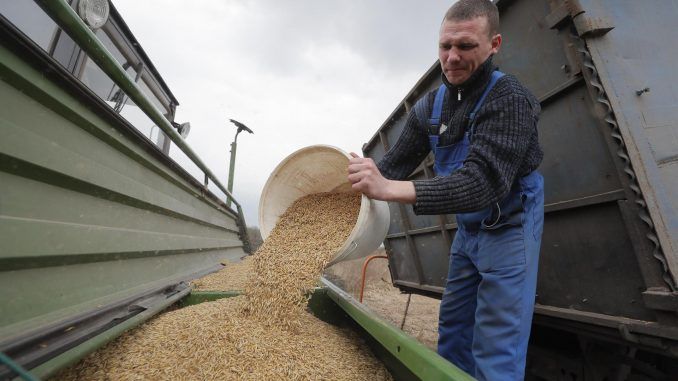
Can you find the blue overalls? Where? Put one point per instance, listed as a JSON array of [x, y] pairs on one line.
[[486, 308]]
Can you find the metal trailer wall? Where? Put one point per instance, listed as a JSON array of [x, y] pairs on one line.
[[604, 74], [97, 225]]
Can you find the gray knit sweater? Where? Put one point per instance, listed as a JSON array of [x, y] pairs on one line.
[[505, 145]]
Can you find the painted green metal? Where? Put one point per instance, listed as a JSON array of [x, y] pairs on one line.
[[18, 369], [90, 214], [183, 299], [79, 198], [325, 308], [420, 360], [71, 356], [197, 297], [69, 21]]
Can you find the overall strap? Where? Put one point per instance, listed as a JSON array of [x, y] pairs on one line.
[[493, 81], [434, 120], [431, 122]]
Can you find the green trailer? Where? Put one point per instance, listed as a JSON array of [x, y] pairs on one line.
[[100, 229], [97, 224]]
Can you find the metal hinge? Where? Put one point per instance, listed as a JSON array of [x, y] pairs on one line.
[[586, 23]]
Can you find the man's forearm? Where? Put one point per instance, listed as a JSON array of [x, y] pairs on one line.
[[401, 191]]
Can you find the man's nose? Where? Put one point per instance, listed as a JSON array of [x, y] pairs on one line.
[[453, 56]]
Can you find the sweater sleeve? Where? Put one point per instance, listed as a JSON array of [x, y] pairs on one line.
[[409, 150], [503, 130]]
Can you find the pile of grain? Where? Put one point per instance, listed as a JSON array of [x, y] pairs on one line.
[[232, 277], [265, 334]]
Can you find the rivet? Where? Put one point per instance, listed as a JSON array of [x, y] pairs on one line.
[[641, 91]]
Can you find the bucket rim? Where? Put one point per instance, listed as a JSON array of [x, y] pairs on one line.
[[364, 202]]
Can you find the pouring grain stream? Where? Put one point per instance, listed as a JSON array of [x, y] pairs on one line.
[[287, 266]]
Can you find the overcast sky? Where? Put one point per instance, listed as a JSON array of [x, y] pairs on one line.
[[298, 73]]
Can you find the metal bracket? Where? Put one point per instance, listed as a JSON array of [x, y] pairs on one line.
[[591, 26], [632, 337], [661, 300]]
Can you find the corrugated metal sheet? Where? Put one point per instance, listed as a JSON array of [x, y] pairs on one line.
[[90, 212]]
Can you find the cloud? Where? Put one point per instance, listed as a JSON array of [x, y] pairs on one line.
[[297, 72]]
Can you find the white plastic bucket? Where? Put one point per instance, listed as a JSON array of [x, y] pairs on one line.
[[316, 169]]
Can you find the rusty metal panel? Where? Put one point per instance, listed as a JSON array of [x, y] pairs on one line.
[[587, 263], [572, 140], [530, 50], [401, 259], [434, 255]]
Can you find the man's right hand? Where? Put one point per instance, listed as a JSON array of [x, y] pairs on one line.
[[366, 178]]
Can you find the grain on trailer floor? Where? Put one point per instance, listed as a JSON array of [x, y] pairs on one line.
[[266, 334], [232, 277], [208, 342]]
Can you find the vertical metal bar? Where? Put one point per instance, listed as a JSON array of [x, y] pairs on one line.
[[231, 166], [244, 237], [407, 308], [405, 223], [441, 217], [391, 268], [384, 141], [651, 273], [387, 245], [410, 243], [408, 106]]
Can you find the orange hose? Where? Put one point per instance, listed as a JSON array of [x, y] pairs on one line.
[[362, 282]]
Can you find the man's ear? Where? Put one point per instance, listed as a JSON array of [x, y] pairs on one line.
[[496, 43]]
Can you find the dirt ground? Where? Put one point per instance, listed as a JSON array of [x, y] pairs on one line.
[[421, 321]]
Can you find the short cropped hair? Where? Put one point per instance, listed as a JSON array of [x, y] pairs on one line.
[[464, 10]]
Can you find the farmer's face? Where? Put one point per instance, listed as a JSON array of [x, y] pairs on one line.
[[464, 46]]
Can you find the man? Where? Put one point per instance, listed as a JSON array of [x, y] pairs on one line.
[[482, 128]]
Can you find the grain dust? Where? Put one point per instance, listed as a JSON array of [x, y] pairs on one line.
[[266, 334]]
